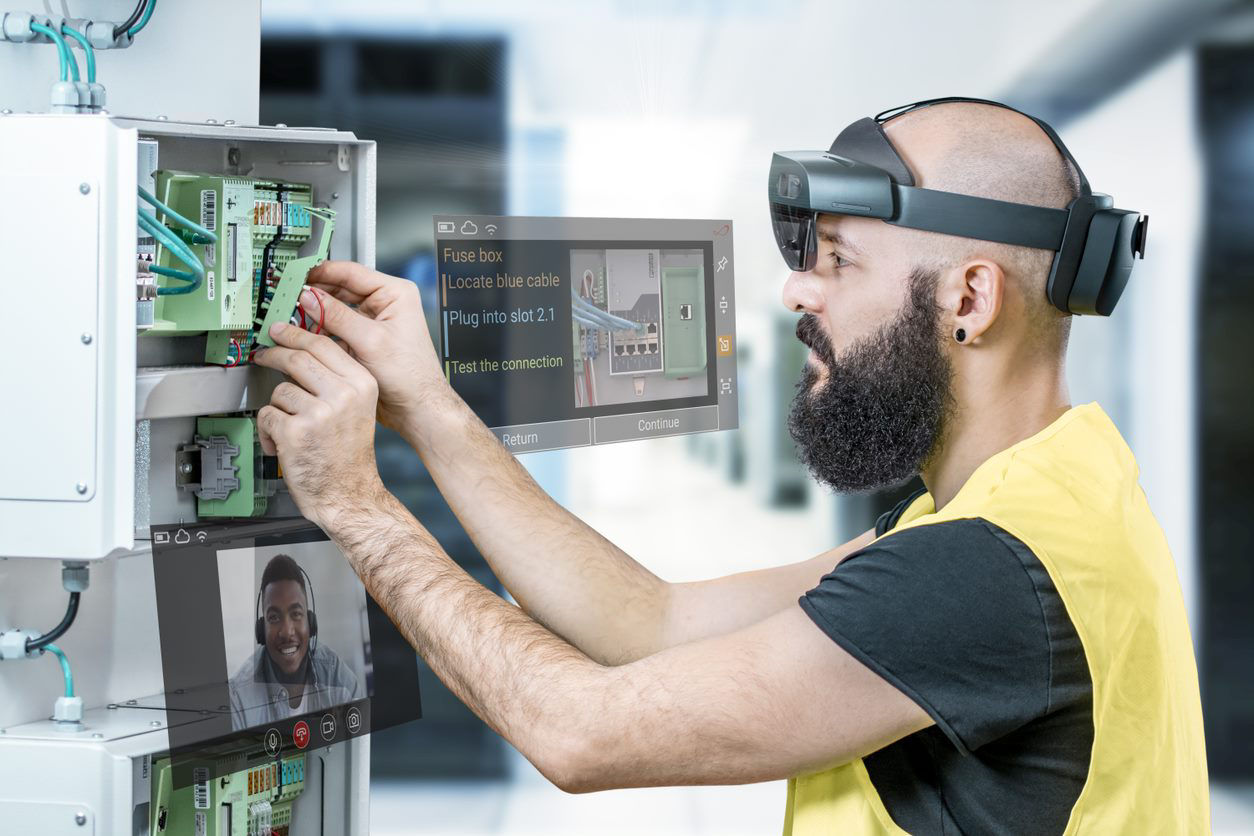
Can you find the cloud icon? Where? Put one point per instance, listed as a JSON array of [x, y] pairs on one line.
[[469, 228]]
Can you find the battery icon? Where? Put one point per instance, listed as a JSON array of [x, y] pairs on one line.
[[445, 226]]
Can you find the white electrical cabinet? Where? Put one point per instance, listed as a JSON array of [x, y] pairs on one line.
[[92, 413], [100, 781]]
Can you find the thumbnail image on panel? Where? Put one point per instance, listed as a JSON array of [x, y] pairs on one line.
[[638, 325]]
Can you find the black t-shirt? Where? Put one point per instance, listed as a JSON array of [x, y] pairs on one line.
[[962, 618]]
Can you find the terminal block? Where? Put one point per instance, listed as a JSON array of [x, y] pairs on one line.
[[224, 467], [683, 321], [255, 800], [253, 272]]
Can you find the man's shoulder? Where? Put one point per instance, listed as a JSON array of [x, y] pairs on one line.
[[329, 662], [965, 543]]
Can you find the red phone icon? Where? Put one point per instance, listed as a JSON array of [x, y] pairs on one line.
[[300, 734]]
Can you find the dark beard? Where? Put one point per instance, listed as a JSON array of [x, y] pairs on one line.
[[880, 414]]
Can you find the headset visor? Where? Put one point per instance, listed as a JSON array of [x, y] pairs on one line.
[[804, 184]]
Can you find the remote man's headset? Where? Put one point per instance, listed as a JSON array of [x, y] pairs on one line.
[[259, 628], [862, 174]]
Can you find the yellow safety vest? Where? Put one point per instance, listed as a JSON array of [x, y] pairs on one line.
[[1070, 494]]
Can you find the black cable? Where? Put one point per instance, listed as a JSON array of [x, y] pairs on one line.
[[55, 633], [130, 21]]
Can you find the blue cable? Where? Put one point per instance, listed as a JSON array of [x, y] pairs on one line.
[[175, 216], [63, 51], [65, 668], [589, 323], [143, 21], [171, 242], [614, 322], [593, 311], [87, 48]]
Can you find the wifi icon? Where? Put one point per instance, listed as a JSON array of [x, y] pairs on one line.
[[490, 229]]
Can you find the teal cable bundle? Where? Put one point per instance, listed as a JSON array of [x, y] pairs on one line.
[[65, 667], [179, 250], [63, 51], [175, 216], [87, 48], [171, 242]]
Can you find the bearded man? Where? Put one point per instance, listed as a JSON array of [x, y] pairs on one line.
[[1006, 651]]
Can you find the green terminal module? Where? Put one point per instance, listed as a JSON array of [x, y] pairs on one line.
[[683, 321], [223, 466], [253, 272], [247, 802]]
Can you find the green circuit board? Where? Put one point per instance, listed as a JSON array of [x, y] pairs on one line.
[[253, 272], [253, 801]]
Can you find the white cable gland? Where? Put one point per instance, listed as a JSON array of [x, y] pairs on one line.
[[97, 93], [84, 96], [64, 97], [100, 34], [68, 710], [13, 644], [15, 26]]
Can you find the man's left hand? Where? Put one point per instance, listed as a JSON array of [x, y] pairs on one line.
[[321, 423]]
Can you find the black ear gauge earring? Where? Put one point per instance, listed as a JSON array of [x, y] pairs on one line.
[[960, 335]]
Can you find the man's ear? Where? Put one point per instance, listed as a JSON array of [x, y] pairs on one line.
[[972, 296]]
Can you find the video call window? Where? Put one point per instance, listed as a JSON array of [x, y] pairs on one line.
[[289, 650], [563, 332], [270, 644]]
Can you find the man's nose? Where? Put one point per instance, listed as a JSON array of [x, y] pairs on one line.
[[801, 293]]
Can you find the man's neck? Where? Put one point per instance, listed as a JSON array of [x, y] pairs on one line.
[[991, 415]]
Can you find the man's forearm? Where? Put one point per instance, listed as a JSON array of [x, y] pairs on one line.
[[560, 570], [494, 657]]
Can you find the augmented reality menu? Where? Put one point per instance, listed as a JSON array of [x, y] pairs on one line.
[[564, 332]]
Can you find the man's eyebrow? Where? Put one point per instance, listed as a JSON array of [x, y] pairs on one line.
[[833, 237]]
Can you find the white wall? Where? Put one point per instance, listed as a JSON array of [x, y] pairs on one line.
[[194, 61]]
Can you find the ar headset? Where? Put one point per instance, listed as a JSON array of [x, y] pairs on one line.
[[259, 627], [862, 174]]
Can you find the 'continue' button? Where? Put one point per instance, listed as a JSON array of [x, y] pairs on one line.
[[609, 428]]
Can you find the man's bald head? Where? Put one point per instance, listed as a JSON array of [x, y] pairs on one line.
[[989, 151]]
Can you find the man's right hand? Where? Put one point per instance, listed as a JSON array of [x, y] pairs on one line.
[[387, 334]]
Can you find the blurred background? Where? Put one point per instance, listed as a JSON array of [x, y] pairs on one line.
[[671, 109]]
